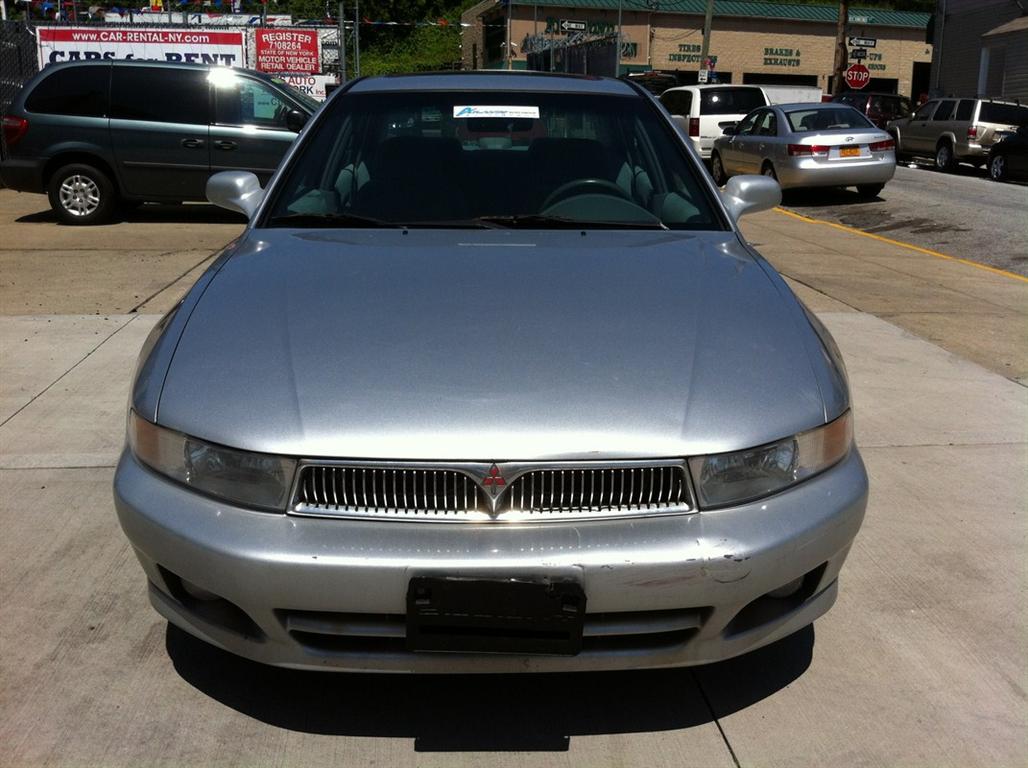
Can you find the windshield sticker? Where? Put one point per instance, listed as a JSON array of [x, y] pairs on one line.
[[491, 110]]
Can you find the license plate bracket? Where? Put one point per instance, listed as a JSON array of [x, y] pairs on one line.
[[519, 616]]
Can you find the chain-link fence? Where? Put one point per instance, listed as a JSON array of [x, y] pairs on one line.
[[18, 60], [591, 57]]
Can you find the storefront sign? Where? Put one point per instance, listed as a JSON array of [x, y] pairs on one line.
[[875, 62], [57, 44], [288, 50], [781, 57], [689, 54], [315, 86]]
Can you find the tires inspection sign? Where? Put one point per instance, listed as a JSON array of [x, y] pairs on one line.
[[57, 44], [857, 76], [288, 50]]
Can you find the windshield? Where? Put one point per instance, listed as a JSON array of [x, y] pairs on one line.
[[825, 119], [473, 159], [730, 101]]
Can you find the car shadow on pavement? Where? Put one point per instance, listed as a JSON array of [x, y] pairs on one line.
[[151, 213], [820, 197], [459, 713]]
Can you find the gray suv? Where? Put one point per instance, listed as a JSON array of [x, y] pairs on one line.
[[93, 135], [956, 130]]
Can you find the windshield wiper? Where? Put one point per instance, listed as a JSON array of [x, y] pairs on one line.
[[330, 220], [333, 220], [543, 221]]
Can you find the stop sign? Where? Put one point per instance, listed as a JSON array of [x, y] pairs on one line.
[[857, 76]]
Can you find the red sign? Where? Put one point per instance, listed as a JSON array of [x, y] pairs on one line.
[[857, 76], [281, 50]]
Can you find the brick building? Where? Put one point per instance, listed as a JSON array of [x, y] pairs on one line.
[[753, 42]]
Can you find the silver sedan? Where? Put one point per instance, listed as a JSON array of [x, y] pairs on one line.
[[807, 145], [490, 383]]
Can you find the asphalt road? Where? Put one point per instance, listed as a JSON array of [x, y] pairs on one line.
[[963, 214]]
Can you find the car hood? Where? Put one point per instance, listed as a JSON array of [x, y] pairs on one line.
[[492, 345]]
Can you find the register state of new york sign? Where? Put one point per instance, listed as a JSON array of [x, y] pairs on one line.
[[283, 50]]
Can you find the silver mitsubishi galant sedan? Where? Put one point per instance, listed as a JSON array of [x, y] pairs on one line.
[[490, 383]]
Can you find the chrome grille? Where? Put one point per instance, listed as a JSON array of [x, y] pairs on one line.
[[600, 491], [531, 491], [389, 492]]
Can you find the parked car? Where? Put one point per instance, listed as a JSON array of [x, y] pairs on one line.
[[955, 131], [792, 94], [704, 110], [1008, 158], [384, 425], [91, 134], [807, 145], [879, 108]]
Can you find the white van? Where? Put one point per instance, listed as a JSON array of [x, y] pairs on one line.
[[707, 109]]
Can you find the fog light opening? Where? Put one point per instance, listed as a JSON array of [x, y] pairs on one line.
[[786, 590], [198, 592]]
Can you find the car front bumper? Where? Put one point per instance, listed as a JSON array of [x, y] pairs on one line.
[[319, 593], [809, 172]]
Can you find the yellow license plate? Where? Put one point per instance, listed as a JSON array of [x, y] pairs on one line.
[[849, 152]]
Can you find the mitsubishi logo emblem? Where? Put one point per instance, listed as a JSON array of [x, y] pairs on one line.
[[494, 481]]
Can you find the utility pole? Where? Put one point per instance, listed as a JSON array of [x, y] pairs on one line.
[[841, 54], [342, 42], [617, 68], [510, 61], [357, 38], [708, 22]]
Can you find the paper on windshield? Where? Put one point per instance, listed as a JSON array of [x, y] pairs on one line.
[[494, 110]]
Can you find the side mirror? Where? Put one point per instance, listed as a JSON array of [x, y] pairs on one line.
[[728, 130], [296, 120], [750, 194], [238, 191]]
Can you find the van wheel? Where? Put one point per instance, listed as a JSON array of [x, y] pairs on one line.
[[81, 194], [944, 157], [717, 170]]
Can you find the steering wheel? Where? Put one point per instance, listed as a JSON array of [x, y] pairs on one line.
[[587, 186]]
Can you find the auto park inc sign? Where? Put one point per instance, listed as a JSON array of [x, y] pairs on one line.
[[315, 86], [296, 51], [857, 76], [57, 44]]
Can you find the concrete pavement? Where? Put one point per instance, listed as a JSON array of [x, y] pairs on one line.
[[921, 662]]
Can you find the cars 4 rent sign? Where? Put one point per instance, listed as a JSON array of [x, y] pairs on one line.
[[57, 44], [288, 50]]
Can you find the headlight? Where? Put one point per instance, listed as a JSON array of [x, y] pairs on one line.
[[247, 479], [732, 478]]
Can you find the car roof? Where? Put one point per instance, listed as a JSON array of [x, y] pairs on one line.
[[813, 104], [145, 63], [707, 86], [491, 80]]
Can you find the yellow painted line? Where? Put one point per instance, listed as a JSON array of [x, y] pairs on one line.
[[908, 246]]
